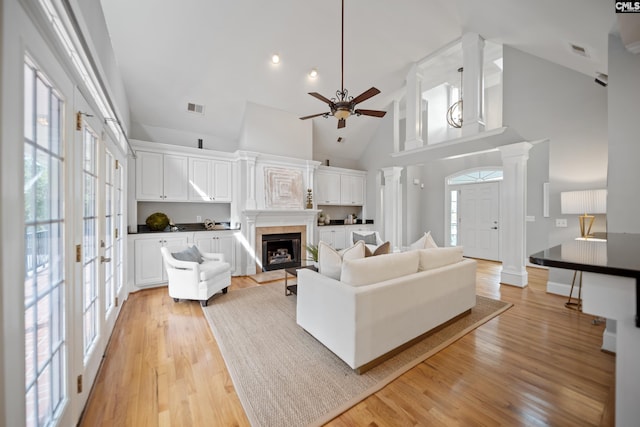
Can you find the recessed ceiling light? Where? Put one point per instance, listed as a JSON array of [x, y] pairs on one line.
[[275, 58], [313, 73]]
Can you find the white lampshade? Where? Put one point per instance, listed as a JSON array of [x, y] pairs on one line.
[[584, 202]]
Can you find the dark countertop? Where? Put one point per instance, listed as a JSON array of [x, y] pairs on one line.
[[618, 255], [341, 222], [189, 227]]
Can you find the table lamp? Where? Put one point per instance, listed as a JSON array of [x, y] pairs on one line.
[[585, 203]]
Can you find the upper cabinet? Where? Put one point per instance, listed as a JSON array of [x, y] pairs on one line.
[[161, 177], [336, 186], [170, 176], [352, 190], [209, 180]]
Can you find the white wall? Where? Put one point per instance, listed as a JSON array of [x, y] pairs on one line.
[[185, 213], [623, 203], [271, 131], [180, 137], [93, 25]]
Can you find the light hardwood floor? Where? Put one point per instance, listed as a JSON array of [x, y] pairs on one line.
[[536, 364]]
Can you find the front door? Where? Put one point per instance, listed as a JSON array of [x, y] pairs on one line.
[[479, 215]]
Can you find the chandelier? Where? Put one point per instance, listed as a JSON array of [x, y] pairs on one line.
[[454, 113]]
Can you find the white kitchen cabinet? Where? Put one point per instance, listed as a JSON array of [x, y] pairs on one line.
[[218, 242], [327, 188], [351, 190], [161, 177], [337, 186], [148, 263], [209, 180], [335, 236]]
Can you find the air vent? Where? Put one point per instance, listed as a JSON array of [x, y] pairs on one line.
[[579, 50], [195, 108]]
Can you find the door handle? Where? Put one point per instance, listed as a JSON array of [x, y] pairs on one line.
[[103, 259]]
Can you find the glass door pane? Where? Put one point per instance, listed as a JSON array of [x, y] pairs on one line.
[[45, 340], [109, 231]]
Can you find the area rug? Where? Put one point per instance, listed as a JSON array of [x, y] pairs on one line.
[[283, 376], [268, 276]]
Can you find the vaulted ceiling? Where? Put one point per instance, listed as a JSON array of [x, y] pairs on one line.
[[218, 53]]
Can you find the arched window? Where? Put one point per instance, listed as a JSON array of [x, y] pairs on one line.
[[475, 176]]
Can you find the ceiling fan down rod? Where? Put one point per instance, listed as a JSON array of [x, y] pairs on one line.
[[342, 50]]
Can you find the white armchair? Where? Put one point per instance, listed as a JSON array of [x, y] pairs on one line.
[[193, 280]]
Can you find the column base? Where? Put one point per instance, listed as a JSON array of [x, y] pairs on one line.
[[514, 278]]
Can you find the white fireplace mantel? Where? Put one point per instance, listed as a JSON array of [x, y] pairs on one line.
[[254, 218]]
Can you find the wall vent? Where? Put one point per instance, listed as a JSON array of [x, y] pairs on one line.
[[195, 108], [579, 50]]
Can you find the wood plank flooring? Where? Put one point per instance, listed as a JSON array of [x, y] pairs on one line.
[[536, 364]]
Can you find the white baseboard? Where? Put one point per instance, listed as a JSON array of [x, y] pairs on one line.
[[609, 341], [563, 289]]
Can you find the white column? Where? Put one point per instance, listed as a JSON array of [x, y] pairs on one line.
[[395, 108], [392, 206], [251, 182], [513, 200], [472, 84], [250, 247], [414, 109]]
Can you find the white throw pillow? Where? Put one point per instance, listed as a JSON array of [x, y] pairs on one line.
[[439, 257], [426, 241], [376, 269], [330, 260]]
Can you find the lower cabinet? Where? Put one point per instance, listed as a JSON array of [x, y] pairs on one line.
[[338, 236], [148, 264], [219, 243]]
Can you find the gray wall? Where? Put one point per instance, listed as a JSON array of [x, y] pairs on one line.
[[623, 202], [541, 100]]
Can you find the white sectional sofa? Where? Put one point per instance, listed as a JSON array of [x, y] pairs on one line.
[[382, 302]]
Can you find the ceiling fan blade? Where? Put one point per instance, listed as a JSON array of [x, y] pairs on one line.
[[320, 97], [365, 95], [374, 113], [314, 115], [341, 123]]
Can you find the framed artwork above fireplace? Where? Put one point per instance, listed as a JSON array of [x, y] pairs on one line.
[[283, 188]]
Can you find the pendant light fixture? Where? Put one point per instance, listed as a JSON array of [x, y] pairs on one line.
[[454, 113]]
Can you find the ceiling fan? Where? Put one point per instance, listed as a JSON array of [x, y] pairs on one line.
[[344, 105]]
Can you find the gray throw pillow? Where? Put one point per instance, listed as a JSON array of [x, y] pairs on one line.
[[191, 254], [369, 239]]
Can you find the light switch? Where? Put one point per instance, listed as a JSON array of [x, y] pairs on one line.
[[561, 222]]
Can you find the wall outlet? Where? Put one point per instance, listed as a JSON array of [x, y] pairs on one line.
[[199, 219], [561, 222]]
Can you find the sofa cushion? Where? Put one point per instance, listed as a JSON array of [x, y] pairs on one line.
[[191, 254], [384, 248], [426, 241], [330, 260], [439, 257], [370, 270]]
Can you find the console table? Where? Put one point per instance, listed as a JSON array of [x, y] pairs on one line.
[[610, 269]]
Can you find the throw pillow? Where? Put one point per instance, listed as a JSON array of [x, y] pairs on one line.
[[330, 260], [191, 254], [431, 258], [369, 239], [384, 248], [426, 241]]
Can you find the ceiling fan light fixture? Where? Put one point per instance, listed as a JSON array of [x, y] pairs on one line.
[[342, 113]]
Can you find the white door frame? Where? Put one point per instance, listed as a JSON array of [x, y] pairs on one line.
[[447, 201]]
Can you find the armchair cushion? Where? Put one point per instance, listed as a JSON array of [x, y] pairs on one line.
[[191, 254], [209, 270]]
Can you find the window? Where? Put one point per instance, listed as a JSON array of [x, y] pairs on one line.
[[454, 218], [45, 341], [475, 176]]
